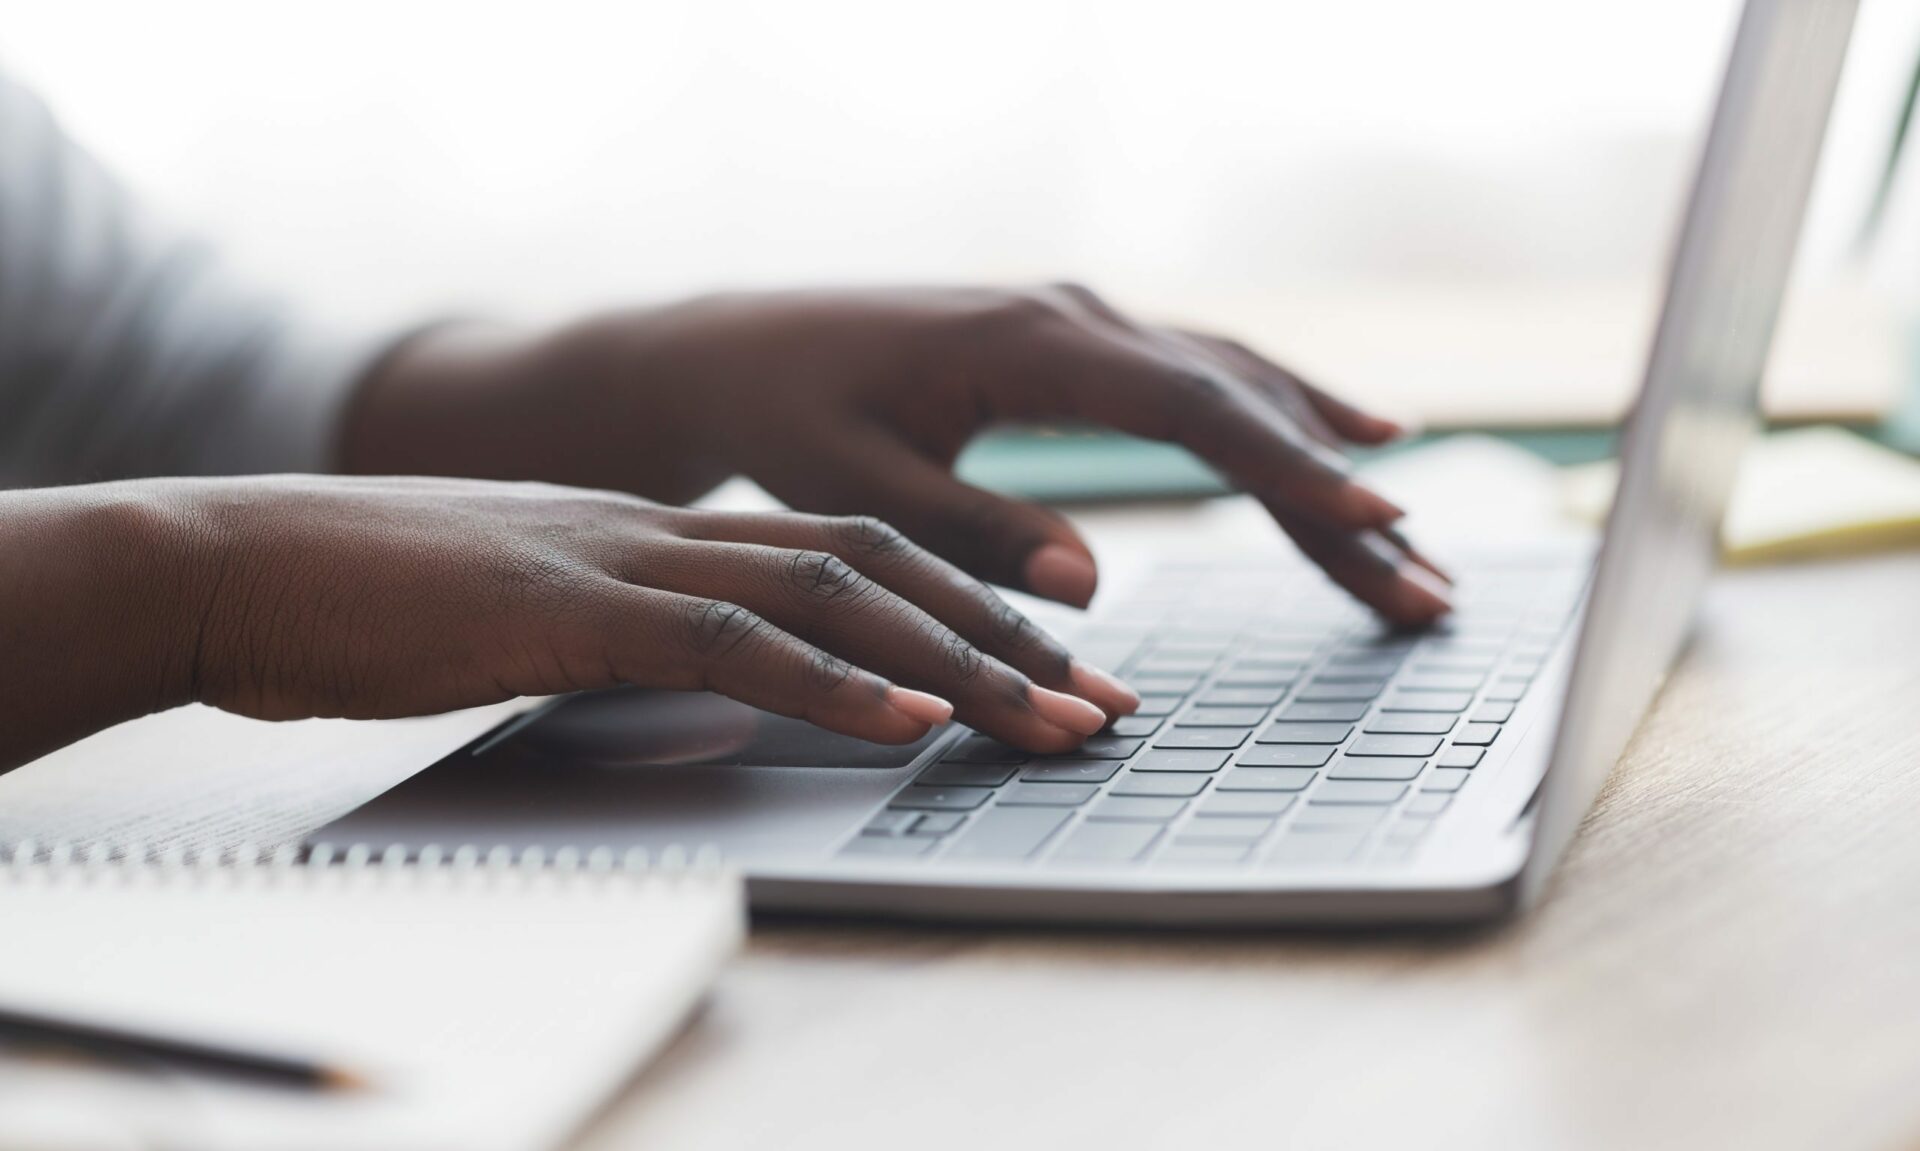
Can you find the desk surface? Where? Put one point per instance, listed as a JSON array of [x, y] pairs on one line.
[[1731, 956]]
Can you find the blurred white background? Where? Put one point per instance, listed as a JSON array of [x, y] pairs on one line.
[[390, 158]]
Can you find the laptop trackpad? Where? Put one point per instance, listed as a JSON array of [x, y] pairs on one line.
[[640, 728], [643, 768]]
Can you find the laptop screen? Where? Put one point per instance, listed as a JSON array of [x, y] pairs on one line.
[[1700, 399]]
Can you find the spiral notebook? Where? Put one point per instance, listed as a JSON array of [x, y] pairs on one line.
[[491, 1003]]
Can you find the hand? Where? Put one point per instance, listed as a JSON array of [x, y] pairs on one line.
[[296, 596], [859, 402]]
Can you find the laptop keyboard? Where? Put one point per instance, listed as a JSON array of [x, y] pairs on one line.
[[1280, 725]]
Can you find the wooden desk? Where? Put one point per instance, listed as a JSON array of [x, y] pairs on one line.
[[1731, 957]]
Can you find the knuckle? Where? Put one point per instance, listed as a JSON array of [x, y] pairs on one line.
[[824, 672], [1011, 628], [1020, 310], [869, 535], [822, 575], [716, 628], [963, 661], [1078, 293]]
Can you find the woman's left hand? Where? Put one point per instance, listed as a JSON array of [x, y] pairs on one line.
[[858, 402]]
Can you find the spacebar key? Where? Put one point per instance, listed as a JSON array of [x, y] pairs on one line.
[[1007, 833]]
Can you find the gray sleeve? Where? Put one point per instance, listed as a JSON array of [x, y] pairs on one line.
[[124, 349]]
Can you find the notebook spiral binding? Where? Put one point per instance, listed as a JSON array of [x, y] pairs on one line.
[[29, 856]]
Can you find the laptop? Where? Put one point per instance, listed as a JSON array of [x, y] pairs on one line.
[[1294, 761]]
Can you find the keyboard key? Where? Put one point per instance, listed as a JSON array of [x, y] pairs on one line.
[[1426, 805], [1267, 803], [1305, 733], [1506, 692], [1353, 673], [1228, 827], [1174, 665], [1071, 771], [1417, 746], [1454, 701], [1267, 779], [1400, 769], [1476, 735], [1179, 761], [1314, 850], [1204, 853], [1345, 712], [980, 749], [898, 847], [890, 823], [1192, 649], [1261, 679], [1135, 725], [1222, 717], [1461, 757], [1410, 723], [1492, 713], [1163, 684], [1313, 818], [919, 798], [1007, 833], [1241, 697], [1047, 794], [1322, 692], [1445, 779], [1153, 809], [1107, 842], [1153, 706], [1254, 665], [950, 774], [1183, 786], [937, 823], [1268, 672], [1204, 737], [1456, 664], [1105, 747], [1286, 755], [1459, 681], [1336, 791]]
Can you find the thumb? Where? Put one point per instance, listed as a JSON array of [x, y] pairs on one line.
[[1004, 541]]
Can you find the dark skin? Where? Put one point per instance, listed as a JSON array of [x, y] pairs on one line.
[[286, 597]]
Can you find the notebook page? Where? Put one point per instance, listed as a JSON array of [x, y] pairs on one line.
[[495, 1008]]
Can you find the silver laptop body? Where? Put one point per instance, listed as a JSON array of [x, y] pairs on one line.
[[1304, 765]]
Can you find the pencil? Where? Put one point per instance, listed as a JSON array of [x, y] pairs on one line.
[[47, 1033]]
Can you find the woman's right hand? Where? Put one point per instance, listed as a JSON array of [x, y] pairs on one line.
[[309, 596]]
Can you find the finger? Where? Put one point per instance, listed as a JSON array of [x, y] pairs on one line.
[[1328, 412], [1359, 426], [882, 553], [820, 598], [1398, 539], [1138, 385], [1273, 382], [656, 638], [1008, 542], [1374, 569]]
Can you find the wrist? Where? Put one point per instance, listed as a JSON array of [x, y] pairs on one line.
[[439, 403], [631, 401], [101, 592]]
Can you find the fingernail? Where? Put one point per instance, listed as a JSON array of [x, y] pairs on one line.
[[1059, 572], [928, 709], [1068, 711], [1429, 596], [1104, 688], [1400, 541], [1373, 507]]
